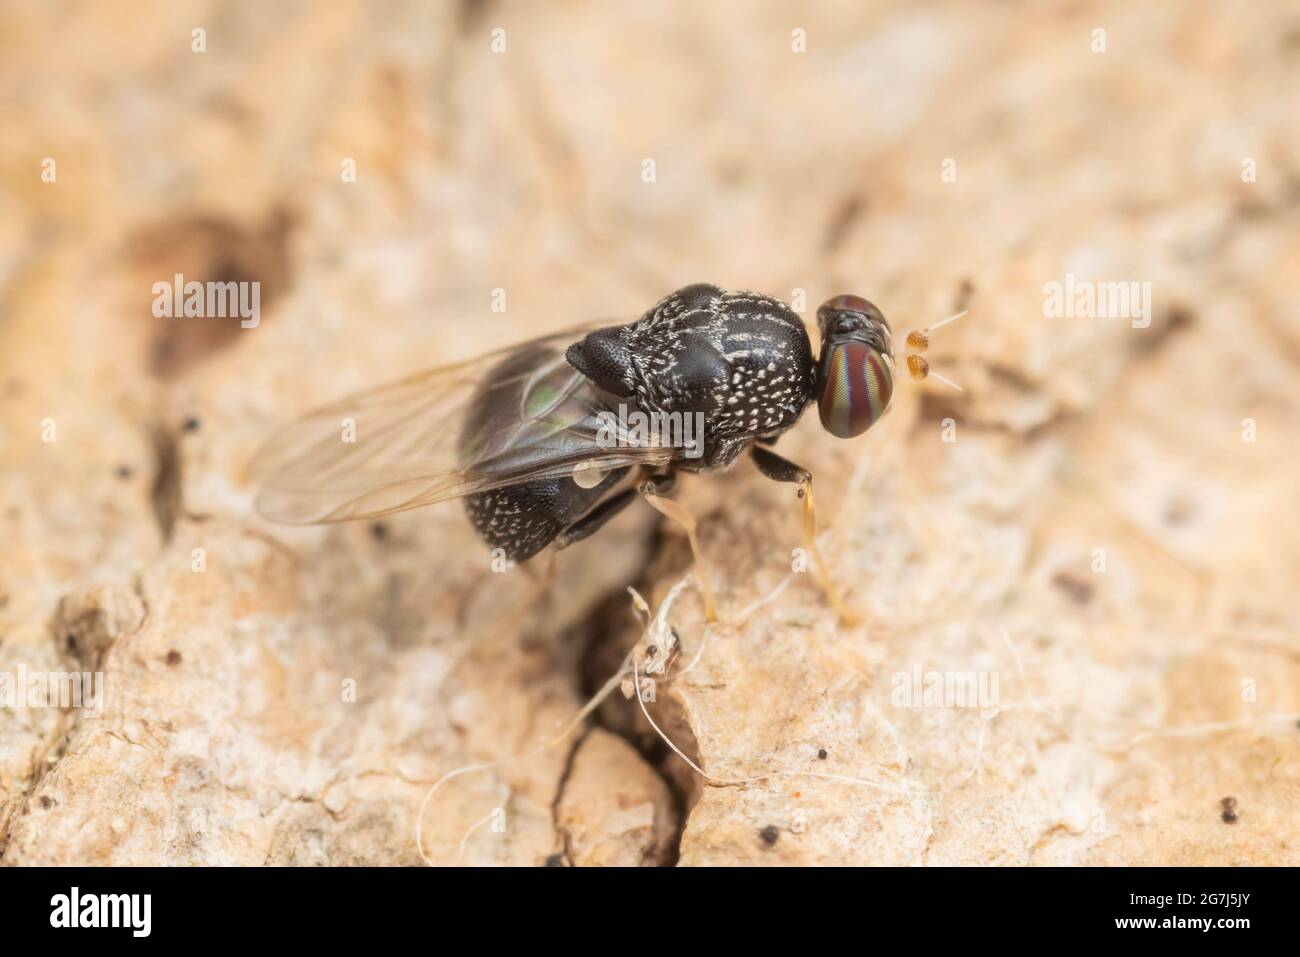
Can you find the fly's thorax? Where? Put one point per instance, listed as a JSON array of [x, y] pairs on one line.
[[766, 392]]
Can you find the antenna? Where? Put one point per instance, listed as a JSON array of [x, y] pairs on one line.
[[918, 340]]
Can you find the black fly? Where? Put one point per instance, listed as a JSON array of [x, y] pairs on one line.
[[542, 440]]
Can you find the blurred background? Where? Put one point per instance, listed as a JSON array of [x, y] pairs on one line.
[[1105, 518]]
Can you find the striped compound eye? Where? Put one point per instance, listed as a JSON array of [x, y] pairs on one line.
[[856, 367], [858, 384]]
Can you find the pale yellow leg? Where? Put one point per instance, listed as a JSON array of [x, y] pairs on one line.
[[686, 520], [847, 616]]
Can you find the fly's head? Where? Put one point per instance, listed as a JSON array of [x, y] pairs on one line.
[[855, 371]]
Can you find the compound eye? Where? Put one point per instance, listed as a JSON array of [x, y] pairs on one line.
[[857, 385]]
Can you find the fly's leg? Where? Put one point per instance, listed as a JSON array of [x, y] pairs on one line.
[[542, 572], [595, 520], [783, 470], [652, 489]]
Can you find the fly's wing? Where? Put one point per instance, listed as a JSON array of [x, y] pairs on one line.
[[517, 414]]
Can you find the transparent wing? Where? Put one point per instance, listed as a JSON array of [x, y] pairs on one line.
[[513, 415]]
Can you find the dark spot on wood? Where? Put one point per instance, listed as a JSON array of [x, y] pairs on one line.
[[842, 221], [204, 249], [46, 802], [1012, 377], [555, 860], [165, 494], [1177, 319], [965, 290], [124, 472], [173, 658], [1229, 806], [769, 835], [821, 754], [1079, 590], [70, 641], [379, 532], [731, 171], [1179, 511], [191, 424], [470, 13], [936, 407]]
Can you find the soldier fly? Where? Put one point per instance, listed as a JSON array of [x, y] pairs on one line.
[[531, 438]]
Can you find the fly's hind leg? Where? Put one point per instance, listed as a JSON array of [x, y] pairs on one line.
[[541, 571], [652, 490], [783, 470], [594, 520]]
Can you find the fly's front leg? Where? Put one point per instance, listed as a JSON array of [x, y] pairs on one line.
[[783, 470], [652, 490]]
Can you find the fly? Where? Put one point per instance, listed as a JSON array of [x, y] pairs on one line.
[[536, 437]]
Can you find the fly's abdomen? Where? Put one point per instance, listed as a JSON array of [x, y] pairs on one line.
[[532, 409], [523, 519]]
